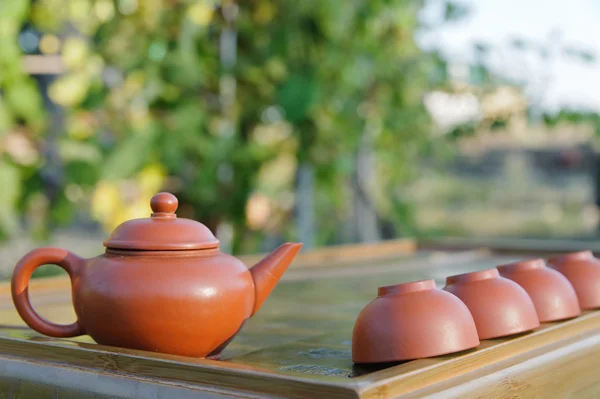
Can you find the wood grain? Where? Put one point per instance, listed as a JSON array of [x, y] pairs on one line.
[[565, 369]]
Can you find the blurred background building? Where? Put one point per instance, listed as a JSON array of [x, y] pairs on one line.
[[315, 120]]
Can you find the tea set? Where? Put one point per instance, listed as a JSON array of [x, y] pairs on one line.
[[163, 285], [417, 320]]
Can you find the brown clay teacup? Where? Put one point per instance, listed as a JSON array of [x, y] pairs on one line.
[[552, 294], [499, 306], [582, 269], [411, 321]]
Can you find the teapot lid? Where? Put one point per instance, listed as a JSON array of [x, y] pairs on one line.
[[162, 230]]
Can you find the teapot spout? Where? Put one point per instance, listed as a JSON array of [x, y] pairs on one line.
[[268, 271]]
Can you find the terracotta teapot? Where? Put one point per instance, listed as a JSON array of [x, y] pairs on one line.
[[162, 285]]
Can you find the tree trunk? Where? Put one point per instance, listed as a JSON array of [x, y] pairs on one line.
[[305, 208], [365, 181]]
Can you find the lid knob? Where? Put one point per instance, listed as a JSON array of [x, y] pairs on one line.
[[164, 231], [164, 205]]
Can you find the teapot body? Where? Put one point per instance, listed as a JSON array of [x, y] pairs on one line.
[[191, 304]]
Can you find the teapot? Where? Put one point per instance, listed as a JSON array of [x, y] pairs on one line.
[[162, 285]]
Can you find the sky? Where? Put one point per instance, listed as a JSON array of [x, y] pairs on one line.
[[558, 82]]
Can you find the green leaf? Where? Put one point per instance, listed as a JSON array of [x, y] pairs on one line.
[[296, 97], [6, 119], [455, 11], [13, 9], [130, 156], [71, 150], [24, 99], [9, 195], [82, 173]]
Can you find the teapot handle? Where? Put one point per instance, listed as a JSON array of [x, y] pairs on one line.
[[68, 261]]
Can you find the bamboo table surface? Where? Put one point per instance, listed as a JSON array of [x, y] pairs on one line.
[[299, 344]]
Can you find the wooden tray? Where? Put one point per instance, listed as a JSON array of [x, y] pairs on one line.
[[299, 345]]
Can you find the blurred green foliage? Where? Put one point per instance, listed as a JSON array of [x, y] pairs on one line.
[[19, 102], [224, 100]]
